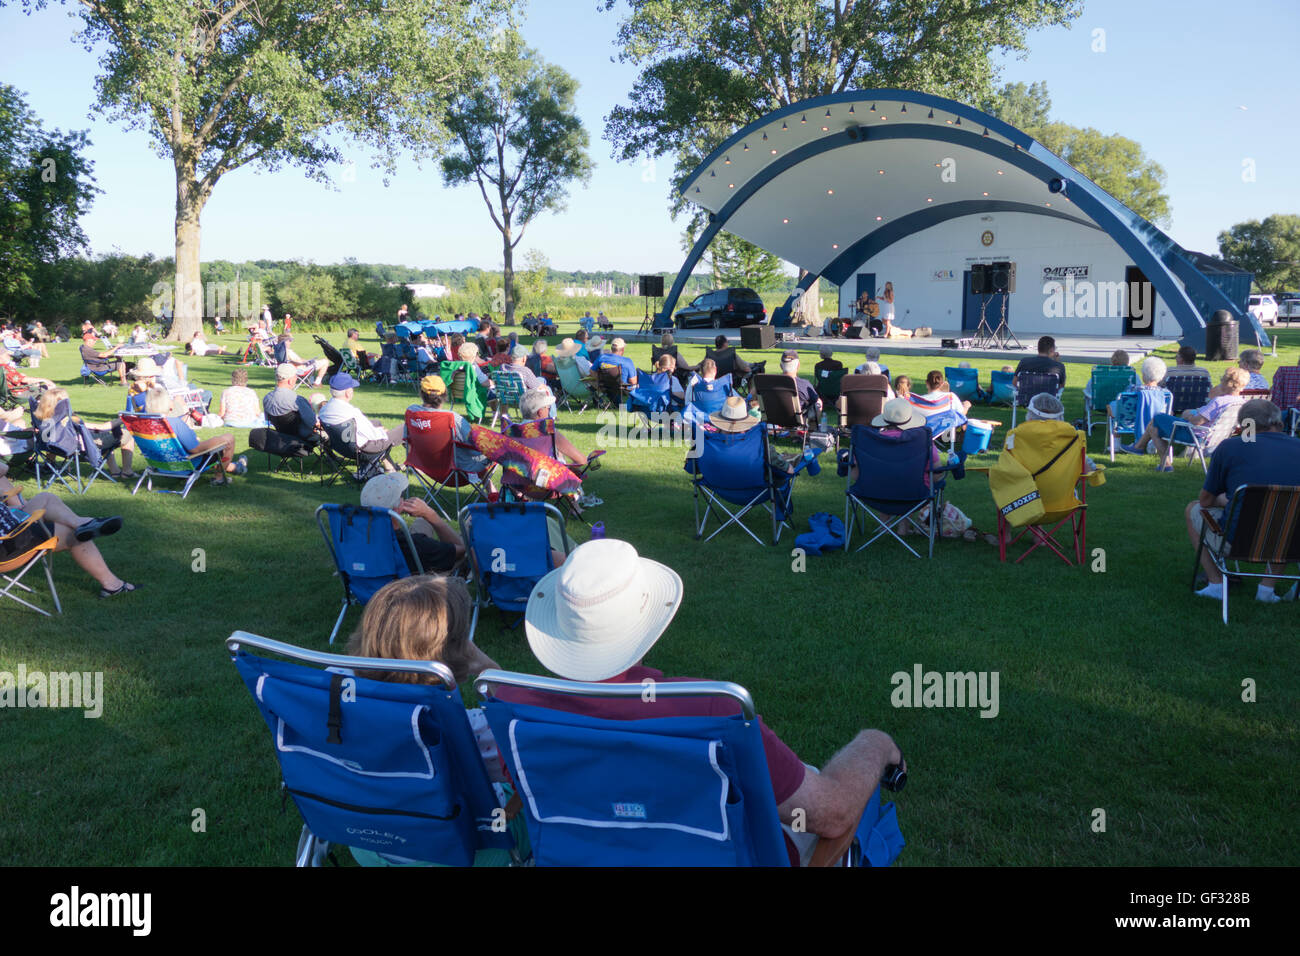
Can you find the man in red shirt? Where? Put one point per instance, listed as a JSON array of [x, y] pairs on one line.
[[596, 616]]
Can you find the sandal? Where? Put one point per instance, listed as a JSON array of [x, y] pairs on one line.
[[126, 587], [223, 480]]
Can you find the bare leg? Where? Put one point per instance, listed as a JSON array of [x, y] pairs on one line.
[[226, 443], [55, 510], [88, 558]]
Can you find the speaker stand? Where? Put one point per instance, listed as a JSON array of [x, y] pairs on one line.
[[1003, 334], [647, 323], [984, 337]]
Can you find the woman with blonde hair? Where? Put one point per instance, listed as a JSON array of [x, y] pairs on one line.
[[1225, 395], [158, 401], [109, 436], [427, 618]]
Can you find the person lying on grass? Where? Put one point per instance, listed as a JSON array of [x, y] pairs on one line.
[[427, 618], [76, 535]]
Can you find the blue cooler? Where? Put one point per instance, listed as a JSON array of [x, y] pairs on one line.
[[976, 439]]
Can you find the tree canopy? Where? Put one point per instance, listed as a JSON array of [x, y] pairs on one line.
[[46, 184], [1115, 163], [1270, 249], [518, 137]]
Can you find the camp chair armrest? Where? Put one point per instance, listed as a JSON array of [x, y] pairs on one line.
[[34, 517], [15, 492], [1211, 522], [200, 454], [829, 852]]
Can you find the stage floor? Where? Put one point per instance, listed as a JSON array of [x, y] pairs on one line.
[[1092, 349]]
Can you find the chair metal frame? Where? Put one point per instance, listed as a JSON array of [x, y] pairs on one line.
[[349, 598], [853, 503], [765, 498], [1275, 549], [1116, 427], [22, 563], [363, 465], [1203, 446]]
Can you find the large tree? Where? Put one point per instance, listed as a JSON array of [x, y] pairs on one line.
[[1115, 163], [710, 66], [1270, 249], [46, 184], [222, 84], [519, 139]]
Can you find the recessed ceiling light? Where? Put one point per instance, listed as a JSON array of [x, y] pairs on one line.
[[850, 110], [937, 165], [873, 107], [733, 186], [828, 114], [949, 122], [999, 172], [931, 116], [783, 126], [765, 137], [835, 245], [929, 199], [880, 171], [830, 192], [986, 194], [1047, 204], [878, 218], [785, 220]]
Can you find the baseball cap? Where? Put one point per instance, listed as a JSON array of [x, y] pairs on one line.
[[343, 381], [285, 372]]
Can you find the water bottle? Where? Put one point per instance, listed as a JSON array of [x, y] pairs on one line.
[[814, 466], [598, 530]]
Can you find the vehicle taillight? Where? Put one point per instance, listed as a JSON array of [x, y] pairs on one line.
[[731, 307]]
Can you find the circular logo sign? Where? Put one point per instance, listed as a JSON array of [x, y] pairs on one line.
[[987, 237]]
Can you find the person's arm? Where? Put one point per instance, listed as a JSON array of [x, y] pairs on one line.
[[566, 448], [419, 508], [832, 801]]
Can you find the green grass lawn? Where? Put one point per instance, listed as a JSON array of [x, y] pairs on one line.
[[1118, 689]]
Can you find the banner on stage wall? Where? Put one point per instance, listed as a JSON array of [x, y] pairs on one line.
[[943, 275], [1060, 273]]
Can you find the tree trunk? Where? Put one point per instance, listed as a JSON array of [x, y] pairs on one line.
[[508, 275], [187, 292], [811, 302]]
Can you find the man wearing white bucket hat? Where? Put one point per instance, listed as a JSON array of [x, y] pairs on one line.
[[596, 616]]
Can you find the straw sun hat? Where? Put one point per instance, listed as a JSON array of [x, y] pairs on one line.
[[898, 413], [733, 416]]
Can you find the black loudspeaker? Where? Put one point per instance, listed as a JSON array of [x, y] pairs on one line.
[[757, 336], [652, 286], [1002, 277], [979, 279], [853, 332]]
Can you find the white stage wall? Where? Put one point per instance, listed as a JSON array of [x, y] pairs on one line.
[[927, 269]]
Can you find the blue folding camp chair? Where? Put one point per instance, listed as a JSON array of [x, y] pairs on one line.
[[98, 374], [509, 548], [667, 791], [1027, 385], [732, 468], [965, 383], [1002, 387], [1132, 412], [707, 398], [164, 454], [509, 387], [367, 551], [1106, 384], [60, 446], [1189, 391], [374, 765], [653, 396], [892, 473]]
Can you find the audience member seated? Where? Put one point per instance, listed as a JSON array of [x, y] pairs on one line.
[[98, 362], [15, 377], [903, 387], [371, 438], [896, 417], [707, 372], [937, 389], [871, 355], [582, 336], [240, 407], [1269, 456], [433, 393], [158, 401], [20, 346], [540, 362], [285, 399], [1186, 365], [143, 377], [668, 363], [596, 617], [1118, 359], [518, 365], [437, 545], [604, 322], [1252, 360], [427, 618], [1047, 360], [810, 403], [615, 356], [728, 360], [595, 348], [76, 535], [109, 437], [828, 361], [365, 360], [1222, 397], [318, 367], [874, 368], [571, 349]]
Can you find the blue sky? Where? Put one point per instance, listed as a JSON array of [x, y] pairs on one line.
[[1204, 87]]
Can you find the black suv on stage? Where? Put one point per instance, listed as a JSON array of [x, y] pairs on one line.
[[723, 308]]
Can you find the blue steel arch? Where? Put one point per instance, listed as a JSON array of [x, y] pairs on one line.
[[1160, 259]]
